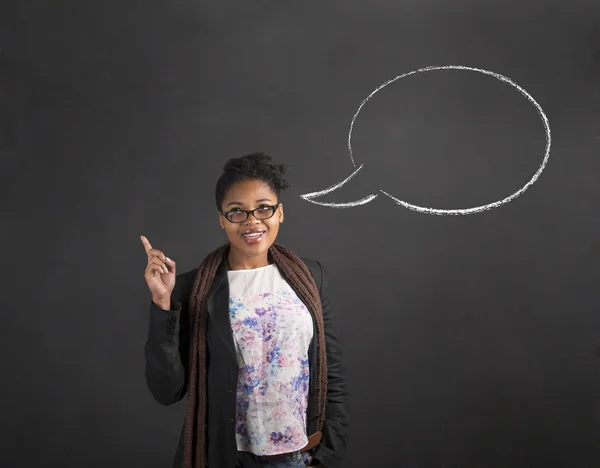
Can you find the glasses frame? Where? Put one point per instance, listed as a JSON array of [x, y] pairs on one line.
[[248, 212]]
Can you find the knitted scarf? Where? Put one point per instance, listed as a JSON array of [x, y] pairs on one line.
[[299, 276]]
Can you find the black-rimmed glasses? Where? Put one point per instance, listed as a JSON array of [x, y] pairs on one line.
[[262, 212]]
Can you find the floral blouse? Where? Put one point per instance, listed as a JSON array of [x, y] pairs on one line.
[[272, 330]]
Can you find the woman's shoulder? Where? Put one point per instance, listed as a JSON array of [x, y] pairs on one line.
[[183, 285], [187, 276], [311, 263], [315, 268]]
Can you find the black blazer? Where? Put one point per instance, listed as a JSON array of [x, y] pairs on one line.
[[167, 354]]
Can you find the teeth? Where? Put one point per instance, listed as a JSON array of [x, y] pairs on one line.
[[253, 234]]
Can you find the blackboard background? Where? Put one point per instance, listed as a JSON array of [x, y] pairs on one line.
[[472, 341]]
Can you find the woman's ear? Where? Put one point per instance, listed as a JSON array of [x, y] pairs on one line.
[[281, 213], [221, 221]]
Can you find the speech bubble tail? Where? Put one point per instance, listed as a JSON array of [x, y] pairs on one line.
[[311, 196]]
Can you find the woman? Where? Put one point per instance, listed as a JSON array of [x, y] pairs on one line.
[[249, 336]]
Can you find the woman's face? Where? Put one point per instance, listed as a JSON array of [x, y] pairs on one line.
[[253, 237]]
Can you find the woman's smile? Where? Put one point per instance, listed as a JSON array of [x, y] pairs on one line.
[[254, 236]]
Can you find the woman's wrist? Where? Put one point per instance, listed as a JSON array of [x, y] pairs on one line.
[[163, 303]]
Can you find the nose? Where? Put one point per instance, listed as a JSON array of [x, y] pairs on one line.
[[252, 220]]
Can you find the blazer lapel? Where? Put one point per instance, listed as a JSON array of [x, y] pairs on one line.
[[218, 309]]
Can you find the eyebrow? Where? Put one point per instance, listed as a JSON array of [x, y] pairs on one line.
[[240, 203]]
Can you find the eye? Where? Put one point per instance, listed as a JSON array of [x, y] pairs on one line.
[[264, 208]]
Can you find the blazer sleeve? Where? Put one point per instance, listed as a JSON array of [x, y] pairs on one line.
[[331, 452], [167, 352]]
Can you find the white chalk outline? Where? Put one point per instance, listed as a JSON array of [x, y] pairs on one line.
[[309, 196], [462, 211]]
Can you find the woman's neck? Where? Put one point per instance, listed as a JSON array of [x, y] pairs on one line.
[[239, 262]]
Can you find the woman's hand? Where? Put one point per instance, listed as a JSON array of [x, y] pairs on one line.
[[160, 274]]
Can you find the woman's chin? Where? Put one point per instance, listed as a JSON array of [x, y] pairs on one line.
[[252, 249]]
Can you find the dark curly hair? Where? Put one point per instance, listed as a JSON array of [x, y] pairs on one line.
[[251, 166]]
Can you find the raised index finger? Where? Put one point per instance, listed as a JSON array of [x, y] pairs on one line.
[[147, 246]]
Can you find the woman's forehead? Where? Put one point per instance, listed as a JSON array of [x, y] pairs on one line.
[[250, 191]]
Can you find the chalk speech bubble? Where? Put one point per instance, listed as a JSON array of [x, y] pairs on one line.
[[462, 211]]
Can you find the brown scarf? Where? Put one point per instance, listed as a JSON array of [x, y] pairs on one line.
[[299, 276]]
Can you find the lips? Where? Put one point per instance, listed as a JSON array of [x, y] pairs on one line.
[[252, 234]]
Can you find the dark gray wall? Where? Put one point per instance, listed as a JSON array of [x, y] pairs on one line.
[[472, 341]]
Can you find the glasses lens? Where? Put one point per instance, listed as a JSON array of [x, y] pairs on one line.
[[264, 212], [237, 216]]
